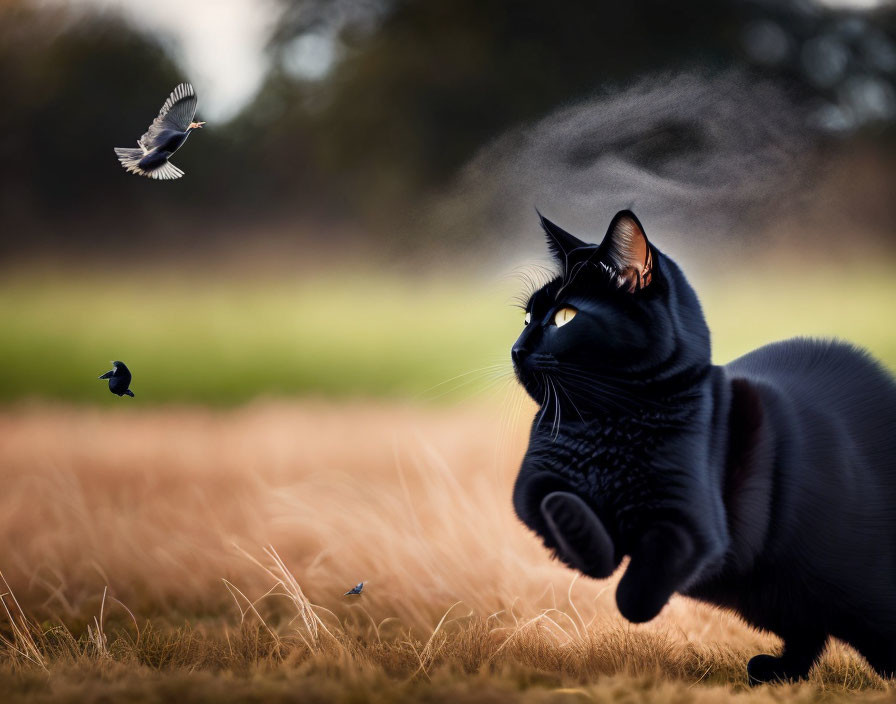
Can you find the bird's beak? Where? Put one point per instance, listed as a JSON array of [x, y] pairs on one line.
[[196, 125]]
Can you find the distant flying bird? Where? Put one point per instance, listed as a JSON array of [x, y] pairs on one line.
[[165, 135], [119, 379], [355, 590]]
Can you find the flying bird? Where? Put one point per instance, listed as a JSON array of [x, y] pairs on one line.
[[165, 135], [355, 589], [119, 379]]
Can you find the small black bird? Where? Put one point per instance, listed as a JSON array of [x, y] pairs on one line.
[[355, 590], [165, 135], [119, 379]]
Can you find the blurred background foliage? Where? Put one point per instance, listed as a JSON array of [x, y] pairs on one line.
[[415, 90], [397, 135]]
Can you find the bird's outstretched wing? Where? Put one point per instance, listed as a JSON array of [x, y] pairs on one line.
[[176, 114]]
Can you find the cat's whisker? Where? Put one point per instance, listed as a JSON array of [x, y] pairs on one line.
[[532, 280], [544, 401], [602, 392], [572, 403], [532, 277], [491, 371], [486, 368], [598, 382], [490, 383], [468, 389], [509, 419], [556, 432], [502, 429]]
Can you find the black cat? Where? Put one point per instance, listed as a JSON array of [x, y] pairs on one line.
[[767, 486]]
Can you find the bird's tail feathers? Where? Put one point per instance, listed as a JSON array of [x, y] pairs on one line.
[[130, 159], [129, 393], [167, 172]]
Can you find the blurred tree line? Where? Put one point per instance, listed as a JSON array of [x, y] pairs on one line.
[[418, 88]]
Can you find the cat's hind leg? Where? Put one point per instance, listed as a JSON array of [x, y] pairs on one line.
[[799, 655]]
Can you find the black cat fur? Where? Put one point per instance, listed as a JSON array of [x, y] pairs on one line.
[[766, 486]]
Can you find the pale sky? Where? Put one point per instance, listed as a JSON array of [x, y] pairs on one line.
[[220, 43]]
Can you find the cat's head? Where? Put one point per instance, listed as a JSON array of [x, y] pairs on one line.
[[619, 317]]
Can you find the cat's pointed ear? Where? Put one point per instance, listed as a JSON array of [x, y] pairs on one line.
[[560, 242], [626, 253]]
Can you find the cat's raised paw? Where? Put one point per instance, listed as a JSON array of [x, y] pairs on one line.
[[582, 541]]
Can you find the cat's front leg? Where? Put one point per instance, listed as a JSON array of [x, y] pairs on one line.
[[566, 523], [662, 561], [581, 539]]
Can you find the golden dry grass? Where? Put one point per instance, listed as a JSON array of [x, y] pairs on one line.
[[224, 540]]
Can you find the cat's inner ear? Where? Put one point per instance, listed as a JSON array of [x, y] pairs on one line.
[[626, 253], [560, 242]]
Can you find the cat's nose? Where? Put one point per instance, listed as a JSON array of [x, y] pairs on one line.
[[517, 354]]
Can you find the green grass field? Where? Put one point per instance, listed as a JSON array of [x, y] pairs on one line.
[[224, 341]]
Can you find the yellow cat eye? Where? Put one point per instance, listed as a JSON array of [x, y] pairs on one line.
[[563, 316], [528, 318]]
